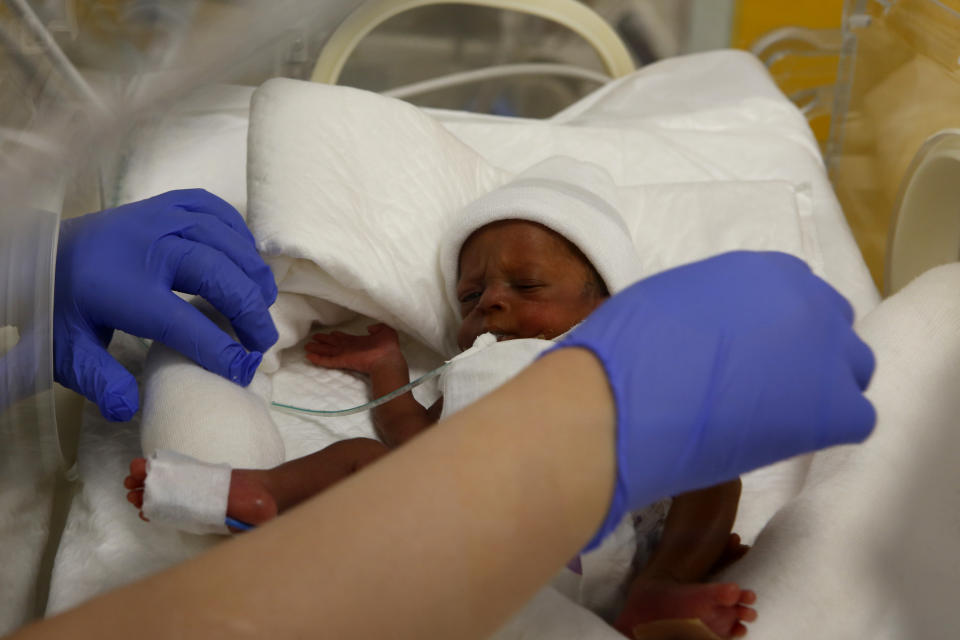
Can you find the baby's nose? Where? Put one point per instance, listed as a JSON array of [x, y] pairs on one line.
[[494, 298]]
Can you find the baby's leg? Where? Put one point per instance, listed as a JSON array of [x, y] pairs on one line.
[[259, 495], [723, 608], [696, 539]]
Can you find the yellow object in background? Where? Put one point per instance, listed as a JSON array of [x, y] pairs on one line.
[[906, 88], [754, 18], [799, 74]]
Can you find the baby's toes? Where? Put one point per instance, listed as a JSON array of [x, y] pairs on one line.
[[722, 621], [747, 597], [738, 631], [746, 614], [135, 498], [138, 473], [729, 594]]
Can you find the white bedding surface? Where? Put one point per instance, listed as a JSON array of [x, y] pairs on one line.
[[668, 127]]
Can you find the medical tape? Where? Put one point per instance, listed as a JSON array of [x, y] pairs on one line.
[[185, 493]]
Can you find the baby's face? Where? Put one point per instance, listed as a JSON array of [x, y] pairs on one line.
[[521, 280]]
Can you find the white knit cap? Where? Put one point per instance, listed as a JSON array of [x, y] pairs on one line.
[[576, 199]]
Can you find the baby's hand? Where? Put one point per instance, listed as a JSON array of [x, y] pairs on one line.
[[363, 354]]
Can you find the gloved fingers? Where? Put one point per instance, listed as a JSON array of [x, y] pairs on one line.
[[836, 300], [785, 261], [202, 201], [852, 416], [100, 378], [206, 272], [182, 327], [822, 288], [206, 230], [862, 361]]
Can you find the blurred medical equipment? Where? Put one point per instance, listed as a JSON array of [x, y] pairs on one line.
[[159, 70], [893, 147]]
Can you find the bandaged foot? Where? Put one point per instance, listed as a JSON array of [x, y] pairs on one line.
[[195, 496], [723, 608]]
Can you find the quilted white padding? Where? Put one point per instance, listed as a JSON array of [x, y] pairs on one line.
[[351, 193], [359, 186]]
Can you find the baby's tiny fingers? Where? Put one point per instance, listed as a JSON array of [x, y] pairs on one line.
[[748, 597], [738, 631], [322, 349], [323, 361]]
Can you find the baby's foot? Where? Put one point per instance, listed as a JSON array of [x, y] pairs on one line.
[[722, 607], [732, 552], [248, 501]]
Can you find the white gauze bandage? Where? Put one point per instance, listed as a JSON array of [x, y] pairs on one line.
[[185, 493]]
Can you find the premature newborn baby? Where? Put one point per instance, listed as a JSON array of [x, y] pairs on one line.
[[516, 266]]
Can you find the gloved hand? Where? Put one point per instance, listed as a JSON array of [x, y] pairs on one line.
[[116, 270], [723, 366]]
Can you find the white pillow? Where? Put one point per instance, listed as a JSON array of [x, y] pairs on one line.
[[351, 192]]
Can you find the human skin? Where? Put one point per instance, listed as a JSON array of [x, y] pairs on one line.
[[479, 511], [517, 274], [517, 279]]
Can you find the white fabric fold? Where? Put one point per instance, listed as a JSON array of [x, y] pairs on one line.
[[869, 548]]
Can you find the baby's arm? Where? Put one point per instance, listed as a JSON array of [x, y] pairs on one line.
[[696, 534], [377, 355]]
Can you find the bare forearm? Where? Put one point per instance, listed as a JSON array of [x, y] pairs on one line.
[[496, 512], [403, 417], [695, 534]]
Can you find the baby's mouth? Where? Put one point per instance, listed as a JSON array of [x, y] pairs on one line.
[[509, 336]]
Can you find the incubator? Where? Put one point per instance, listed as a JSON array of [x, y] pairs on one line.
[[892, 151], [107, 102]]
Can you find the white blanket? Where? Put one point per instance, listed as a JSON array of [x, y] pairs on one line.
[[747, 146], [869, 548]]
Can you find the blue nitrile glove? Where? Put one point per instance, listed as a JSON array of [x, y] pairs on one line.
[[723, 366], [116, 270]]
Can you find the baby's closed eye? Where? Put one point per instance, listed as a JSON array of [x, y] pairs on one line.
[[528, 285]]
